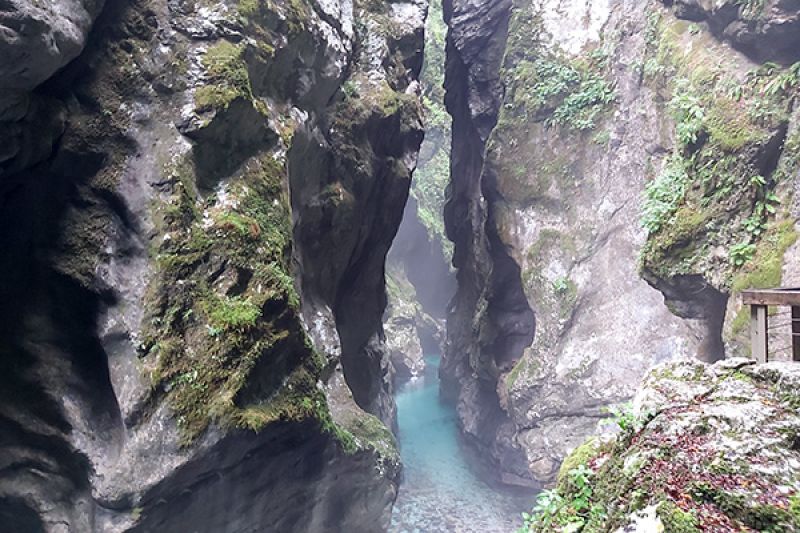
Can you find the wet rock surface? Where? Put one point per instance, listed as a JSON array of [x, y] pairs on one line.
[[582, 215], [180, 354], [765, 30]]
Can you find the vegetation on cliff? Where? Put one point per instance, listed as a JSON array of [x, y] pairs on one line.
[[433, 171], [708, 448], [725, 184]]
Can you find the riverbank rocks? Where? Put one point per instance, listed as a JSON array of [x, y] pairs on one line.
[[705, 448]]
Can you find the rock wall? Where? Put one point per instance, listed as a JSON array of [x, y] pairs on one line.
[[490, 321], [196, 209], [421, 280], [618, 174], [704, 448]]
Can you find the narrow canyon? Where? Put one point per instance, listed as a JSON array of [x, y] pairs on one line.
[[403, 266]]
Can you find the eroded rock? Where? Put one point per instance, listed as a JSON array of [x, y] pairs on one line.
[[707, 447], [170, 363]]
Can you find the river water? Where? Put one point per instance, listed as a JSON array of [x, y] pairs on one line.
[[441, 492]]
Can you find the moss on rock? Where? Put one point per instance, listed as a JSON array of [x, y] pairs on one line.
[[718, 189], [222, 308], [706, 461]]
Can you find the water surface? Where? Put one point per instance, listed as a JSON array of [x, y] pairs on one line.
[[441, 491]]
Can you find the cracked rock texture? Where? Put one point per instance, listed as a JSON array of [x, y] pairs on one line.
[[609, 161], [711, 448], [197, 201]]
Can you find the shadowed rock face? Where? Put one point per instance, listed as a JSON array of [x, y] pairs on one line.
[[489, 322], [195, 214], [767, 31], [575, 275]]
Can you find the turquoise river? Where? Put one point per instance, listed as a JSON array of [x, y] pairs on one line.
[[441, 492]]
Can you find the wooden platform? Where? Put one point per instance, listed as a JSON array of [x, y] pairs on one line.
[[759, 301]]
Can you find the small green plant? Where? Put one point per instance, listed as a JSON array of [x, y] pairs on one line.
[[567, 513], [579, 478], [741, 253], [785, 82], [758, 181], [545, 511], [350, 89], [689, 114], [750, 8], [651, 31], [664, 194], [561, 285], [755, 225], [624, 416], [572, 94]]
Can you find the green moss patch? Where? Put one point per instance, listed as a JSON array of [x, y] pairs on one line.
[[228, 77], [263, 17], [580, 456], [222, 328], [711, 192], [764, 269], [676, 520]]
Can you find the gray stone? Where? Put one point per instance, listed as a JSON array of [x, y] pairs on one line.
[[39, 38]]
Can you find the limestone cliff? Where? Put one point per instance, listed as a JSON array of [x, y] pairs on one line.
[[420, 279], [619, 173], [197, 201]]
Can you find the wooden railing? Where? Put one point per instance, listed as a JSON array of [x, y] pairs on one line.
[[760, 301]]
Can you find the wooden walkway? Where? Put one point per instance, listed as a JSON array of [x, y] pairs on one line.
[[760, 301]]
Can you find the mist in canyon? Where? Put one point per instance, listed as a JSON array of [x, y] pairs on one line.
[[373, 266]]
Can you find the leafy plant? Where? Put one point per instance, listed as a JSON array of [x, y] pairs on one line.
[[689, 114], [579, 478], [664, 194], [579, 109], [785, 82], [545, 511], [561, 285], [572, 94], [567, 513], [750, 8], [741, 253], [755, 225], [624, 416], [758, 181]]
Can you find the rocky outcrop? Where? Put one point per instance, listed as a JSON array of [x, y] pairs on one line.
[[37, 40], [767, 30], [421, 281], [608, 159], [490, 321], [705, 448], [193, 257], [411, 332], [720, 212]]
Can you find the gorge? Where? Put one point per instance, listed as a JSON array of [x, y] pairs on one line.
[[367, 265]]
